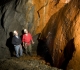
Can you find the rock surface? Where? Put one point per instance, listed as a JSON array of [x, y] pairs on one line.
[[62, 35], [25, 63], [56, 21], [14, 15]]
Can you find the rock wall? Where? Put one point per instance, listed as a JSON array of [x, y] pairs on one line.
[[57, 22], [14, 15], [62, 35]]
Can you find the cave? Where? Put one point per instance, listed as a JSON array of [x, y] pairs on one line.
[[54, 26]]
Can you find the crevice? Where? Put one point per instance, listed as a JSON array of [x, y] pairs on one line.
[[2, 19], [42, 8]]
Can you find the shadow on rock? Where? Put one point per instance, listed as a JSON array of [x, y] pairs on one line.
[[68, 53], [9, 44], [43, 51]]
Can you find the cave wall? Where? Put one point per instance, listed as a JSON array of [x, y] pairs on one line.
[[56, 20], [14, 15], [19, 14], [62, 35]]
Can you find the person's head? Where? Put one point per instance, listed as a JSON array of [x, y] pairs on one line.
[[15, 32], [29, 1], [25, 31]]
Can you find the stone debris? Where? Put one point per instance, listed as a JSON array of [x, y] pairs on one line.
[[25, 63]]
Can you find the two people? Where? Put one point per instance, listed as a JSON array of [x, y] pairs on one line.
[[26, 42]]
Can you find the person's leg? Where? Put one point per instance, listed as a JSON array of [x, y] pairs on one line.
[[17, 50], [25, 47], [30, 49], [21, 50]]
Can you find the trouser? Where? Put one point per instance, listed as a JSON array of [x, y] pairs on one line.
[[28, 48], [18, 50]]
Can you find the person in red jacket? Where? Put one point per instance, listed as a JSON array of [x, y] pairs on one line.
[[27, 41]]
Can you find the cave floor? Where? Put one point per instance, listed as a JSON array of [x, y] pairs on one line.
[[25, 62]]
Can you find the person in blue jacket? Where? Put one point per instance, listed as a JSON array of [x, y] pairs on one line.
[[16, 41]]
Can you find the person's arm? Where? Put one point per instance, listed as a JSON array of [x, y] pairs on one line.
[[20, 41], [31, 39], [23, 40], [13, 41], [23, 44]]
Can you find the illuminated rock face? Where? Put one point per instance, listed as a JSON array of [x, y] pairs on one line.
[[62, 35]]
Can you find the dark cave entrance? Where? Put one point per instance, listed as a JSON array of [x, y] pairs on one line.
[[43, 51]]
